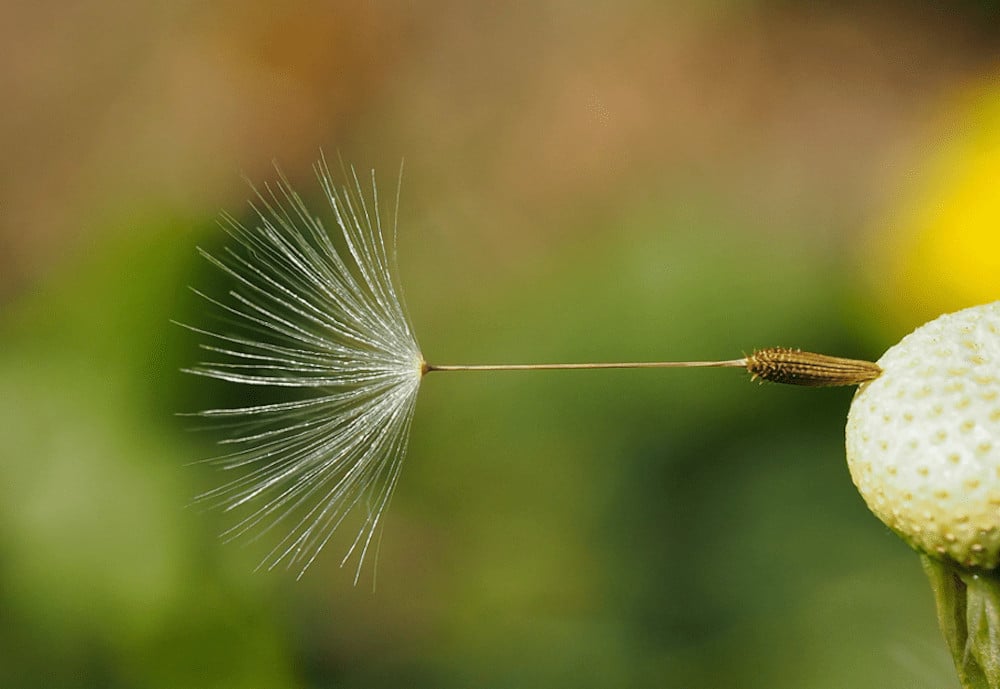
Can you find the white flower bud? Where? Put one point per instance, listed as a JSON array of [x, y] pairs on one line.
[[923, 439]]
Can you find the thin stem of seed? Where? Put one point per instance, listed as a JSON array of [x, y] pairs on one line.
[[732, 363], [775, 364]]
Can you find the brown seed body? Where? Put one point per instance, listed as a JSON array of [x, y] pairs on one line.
[[795, 367]]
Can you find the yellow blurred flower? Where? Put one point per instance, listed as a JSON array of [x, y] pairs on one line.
[[940, 250]]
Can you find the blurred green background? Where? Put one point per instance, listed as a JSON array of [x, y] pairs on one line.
[[584, 181]]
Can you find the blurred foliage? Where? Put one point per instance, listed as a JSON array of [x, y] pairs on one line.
[[551, 529], [584, 182], [108, 580]]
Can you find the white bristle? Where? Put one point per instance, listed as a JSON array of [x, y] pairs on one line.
[[324, 316]]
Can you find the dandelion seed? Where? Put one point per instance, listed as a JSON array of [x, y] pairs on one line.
[[322, 315], [328, 321]]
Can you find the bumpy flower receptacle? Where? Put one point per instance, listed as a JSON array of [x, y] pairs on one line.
[[923, 439]]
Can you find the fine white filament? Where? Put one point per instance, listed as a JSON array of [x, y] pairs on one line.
[[322, 316]]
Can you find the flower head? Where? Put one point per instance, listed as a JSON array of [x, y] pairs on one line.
[[321, 315], [923, 439]]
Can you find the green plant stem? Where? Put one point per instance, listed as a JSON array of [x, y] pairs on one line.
[[968, 607]]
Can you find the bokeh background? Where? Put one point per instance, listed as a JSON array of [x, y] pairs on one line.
[[583, 181]]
